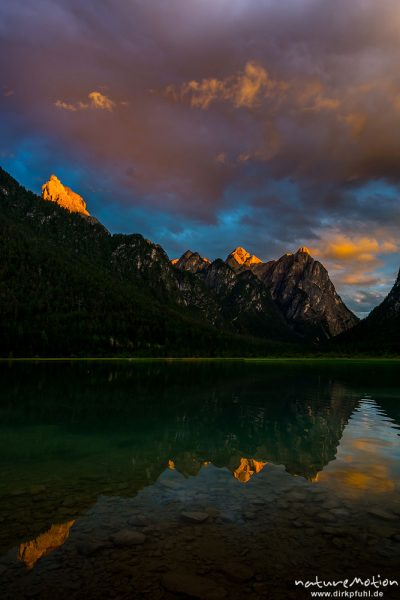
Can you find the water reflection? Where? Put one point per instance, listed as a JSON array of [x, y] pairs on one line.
[[247, 468], [367, 460], [30, 552], [97, 446]]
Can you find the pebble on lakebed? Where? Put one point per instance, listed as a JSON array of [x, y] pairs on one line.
[[195, 516]]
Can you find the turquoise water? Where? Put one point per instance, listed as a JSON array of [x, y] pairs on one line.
[[289, 468]]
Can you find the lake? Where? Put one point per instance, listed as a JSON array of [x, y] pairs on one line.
[[203, 479]]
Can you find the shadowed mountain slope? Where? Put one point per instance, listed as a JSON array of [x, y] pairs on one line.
[[379, 332]]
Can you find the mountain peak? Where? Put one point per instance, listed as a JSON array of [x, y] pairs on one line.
[[253, 260], [190, 261], [303, 250], [54, 191], [239, 256], [303, 291]]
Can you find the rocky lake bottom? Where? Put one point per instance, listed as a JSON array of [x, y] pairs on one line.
[[236, 497]]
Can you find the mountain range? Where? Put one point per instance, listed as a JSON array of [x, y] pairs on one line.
[[70, 288], [298, 285]]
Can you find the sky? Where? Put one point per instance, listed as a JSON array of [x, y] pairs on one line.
[[211, 124]]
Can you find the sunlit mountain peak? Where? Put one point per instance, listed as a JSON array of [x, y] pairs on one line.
[[239, 256], [54, 191], [303, 250]]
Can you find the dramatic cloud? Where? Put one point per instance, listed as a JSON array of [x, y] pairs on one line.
[[253, 87], [243, 89], [212, 124]]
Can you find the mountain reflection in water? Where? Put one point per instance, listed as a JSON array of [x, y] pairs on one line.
[[30, 552], [158, 437], [368, 457]]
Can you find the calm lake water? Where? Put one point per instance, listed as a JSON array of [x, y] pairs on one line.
[[200, 479]]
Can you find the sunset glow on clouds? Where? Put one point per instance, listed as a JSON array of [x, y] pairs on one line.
[[250, 88], [356, 250], [207, 125], [246, 89], [356, 263], [96, 100]]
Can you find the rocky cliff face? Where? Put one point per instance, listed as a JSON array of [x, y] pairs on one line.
[[140, 261], [299, 286], [220, 277], [302, 289], [191, 261], [54, 191], [245, 305]]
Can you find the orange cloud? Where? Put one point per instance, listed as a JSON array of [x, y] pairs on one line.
[[254, 80], [311, 96], [244, 157], [97, 100], [71, 107], [359, 278], [354, 260], [221, 158], [356, 121], [244, 89], [101, 101], [359, 249], [249, 87], [325, 103]]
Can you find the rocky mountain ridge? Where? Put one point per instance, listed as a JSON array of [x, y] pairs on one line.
[[242, 299], [302, 289], [298, 284], [191, 261]]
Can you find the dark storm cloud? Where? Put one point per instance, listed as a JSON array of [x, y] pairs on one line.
[[215, 123]]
